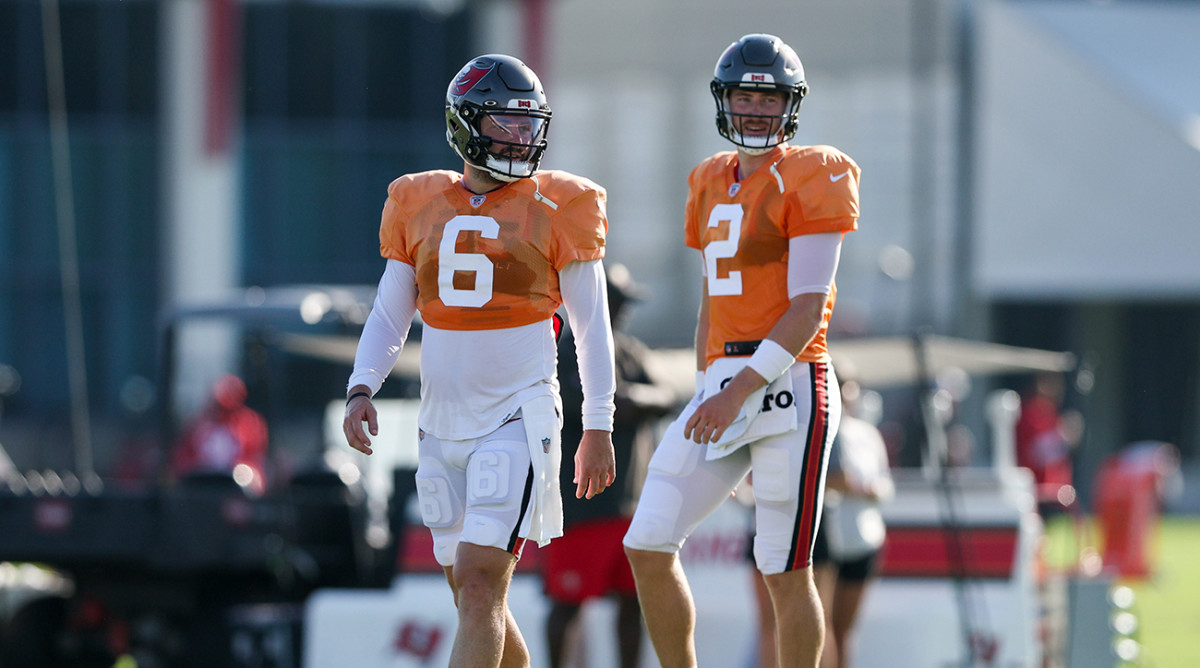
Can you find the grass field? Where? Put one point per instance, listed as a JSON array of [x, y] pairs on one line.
[[1167, 603]]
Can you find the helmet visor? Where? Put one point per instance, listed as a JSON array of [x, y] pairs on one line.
[[512, 143], [513, 136]]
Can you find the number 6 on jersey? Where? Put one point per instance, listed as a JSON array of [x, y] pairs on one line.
[[450, 261]]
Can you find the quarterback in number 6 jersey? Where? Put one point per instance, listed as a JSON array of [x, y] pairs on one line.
[[490, 263], [528, 230], [487, 257]]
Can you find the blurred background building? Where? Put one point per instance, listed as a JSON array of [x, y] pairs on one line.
[[1029, 172]]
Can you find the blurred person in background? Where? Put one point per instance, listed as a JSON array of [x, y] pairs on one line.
[[768, 220], [487, 257], [859, 481], [226, 437], [589, 561], [1046, 437]]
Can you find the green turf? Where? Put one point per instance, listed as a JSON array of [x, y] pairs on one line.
[[1167, 603]]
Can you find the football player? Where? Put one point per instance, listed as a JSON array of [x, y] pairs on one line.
[[487, 257], [768, 219]]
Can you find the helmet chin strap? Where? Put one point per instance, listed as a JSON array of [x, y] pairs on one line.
[[740, 140], [754, 151], [501, 176], [493, 167]]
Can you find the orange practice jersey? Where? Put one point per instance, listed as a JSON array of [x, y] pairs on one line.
[[743, 229], [491, 261]]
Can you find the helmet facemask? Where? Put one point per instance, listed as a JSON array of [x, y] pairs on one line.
[[507, 143], [779, 128]]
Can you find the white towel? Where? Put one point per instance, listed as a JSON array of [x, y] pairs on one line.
[[752, 422], [542, 430]]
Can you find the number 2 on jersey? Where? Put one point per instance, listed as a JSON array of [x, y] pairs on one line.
[[724, 248], [450, 261]]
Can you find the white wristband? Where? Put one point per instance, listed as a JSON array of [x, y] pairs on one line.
[[770, 360], [699, 380]]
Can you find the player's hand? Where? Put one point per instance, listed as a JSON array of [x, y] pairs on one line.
[[712, 418], [595, 463], [360, 410], [714, 415]]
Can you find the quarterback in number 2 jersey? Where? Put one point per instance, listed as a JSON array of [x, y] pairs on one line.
[[743, 229], [769, 220]]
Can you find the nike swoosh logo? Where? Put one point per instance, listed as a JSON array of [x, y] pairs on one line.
[[839, 177]]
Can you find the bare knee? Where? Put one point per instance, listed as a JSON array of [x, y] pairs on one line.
[[480, 575], [647, 561], [793, 590]]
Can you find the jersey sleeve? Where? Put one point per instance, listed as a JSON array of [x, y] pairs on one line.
[[691, 226], [392, 242], [580, 228], [826, 199]]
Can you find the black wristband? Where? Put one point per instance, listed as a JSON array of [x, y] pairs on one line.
[[357, 394]]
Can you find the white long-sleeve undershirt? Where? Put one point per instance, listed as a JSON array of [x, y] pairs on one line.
[[813, 262], [473, 380], [585, 296], [387, 326]]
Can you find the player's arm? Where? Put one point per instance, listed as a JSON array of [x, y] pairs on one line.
[[382, 339], [812, 265], [585, 297]]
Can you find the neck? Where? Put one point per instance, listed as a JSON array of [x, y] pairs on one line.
[[479, 181], [748, 164]]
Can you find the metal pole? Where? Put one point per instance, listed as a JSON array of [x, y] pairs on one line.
[[60, 144]]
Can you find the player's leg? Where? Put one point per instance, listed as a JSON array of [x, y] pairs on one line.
[[488, 478], [766, 622], [681, 489], [620, 581], [800, 621], [667, 606], [826, 577], [487, 635], [825, 573], [789, 485], [516, 652]]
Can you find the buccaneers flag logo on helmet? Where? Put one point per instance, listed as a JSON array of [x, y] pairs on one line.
[[469, 77]]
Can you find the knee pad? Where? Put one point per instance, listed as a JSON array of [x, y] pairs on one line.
[[481, 529], [445, 548], [655, 524], [649, 533], [769, 559]]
